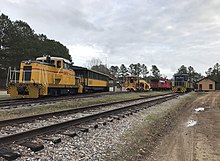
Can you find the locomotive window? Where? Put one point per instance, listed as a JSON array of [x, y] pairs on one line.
[[58, 64], [52, 62], [66, 66]]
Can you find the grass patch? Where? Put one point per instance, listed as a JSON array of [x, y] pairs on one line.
[[69, 104], [141, 139]]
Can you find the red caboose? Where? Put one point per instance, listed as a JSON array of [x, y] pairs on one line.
[[161, 84]]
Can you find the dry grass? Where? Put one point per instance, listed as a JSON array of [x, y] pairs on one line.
[[142, 138], [4, 97], [62, 105]]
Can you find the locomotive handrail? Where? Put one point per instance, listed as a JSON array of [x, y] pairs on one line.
[[7, 80], [59, 70]]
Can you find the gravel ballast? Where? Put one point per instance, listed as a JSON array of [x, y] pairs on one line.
[[98, 143]]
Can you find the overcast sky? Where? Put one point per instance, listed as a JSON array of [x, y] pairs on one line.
[[167, 33]]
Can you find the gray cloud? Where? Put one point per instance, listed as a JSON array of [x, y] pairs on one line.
[[166, 33]]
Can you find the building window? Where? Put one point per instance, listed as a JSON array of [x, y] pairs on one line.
[[210, 86]]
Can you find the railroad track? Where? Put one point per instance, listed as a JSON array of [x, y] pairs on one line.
[[69, 111], [91, 116], [13, 103]]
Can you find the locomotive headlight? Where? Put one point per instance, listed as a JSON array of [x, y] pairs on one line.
[[27, 62]]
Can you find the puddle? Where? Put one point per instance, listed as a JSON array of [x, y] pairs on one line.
[[200, 109], [191, 123]]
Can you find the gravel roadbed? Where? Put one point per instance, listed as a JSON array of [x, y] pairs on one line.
[[97, 143]]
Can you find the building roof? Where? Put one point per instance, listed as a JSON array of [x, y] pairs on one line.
[[207, 78]]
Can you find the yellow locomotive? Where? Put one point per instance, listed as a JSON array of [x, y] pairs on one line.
[[47, 76], [181, 83], [134, 83]]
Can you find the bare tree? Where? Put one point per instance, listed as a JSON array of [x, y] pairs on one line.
[[93, 62]]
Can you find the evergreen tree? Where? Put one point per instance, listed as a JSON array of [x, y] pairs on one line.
[[155, 72], [144, 71], [114, 71], [18, 42], [209, 72], [138, 69], [131, 69], [182, 70], [123, 72]]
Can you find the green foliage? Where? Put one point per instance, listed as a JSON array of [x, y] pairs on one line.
[[114, 71], [155, 72], [135, 69], [18, 42], [123, 71], [182, 70], [214, 73]]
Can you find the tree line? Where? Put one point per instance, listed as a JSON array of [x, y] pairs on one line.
[[141, 70], [120, 72], [18, 42]]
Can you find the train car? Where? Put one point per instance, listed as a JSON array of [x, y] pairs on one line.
[[44, 76], [161, 84], [134, 83], [92, 81], [181, 83]]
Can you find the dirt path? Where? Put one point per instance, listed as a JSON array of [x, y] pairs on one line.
[[196, 136]]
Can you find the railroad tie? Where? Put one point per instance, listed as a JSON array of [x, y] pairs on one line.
[[102, 123], [33, 146], [82, 129], [70, 133], [55, 140], [9, 154]]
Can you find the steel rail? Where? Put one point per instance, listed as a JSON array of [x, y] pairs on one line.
[[26, 101]]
